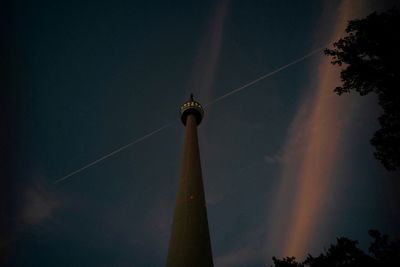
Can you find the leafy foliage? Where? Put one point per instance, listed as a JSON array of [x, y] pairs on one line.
[[370, 58], [286, 262], [345, 253]]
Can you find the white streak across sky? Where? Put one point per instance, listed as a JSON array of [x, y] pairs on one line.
[[232, 92], [112, 153]]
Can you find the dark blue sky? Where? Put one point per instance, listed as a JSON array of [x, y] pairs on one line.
[[87, 78]]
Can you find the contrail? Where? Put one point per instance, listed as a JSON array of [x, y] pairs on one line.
[[234, 91], [112, 153]]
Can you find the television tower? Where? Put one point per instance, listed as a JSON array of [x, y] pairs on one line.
[[190, 244]]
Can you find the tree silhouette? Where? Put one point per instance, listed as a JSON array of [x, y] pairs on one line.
[[286, 262], [370, 57], [345, 253], [384, 251]]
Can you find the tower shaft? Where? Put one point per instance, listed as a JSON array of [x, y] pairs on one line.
[[190, 244]]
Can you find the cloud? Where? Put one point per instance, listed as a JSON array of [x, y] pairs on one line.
[[215, 198], [147, 230], [209, 52], [247, 252], [273, 159], [39, 205], [240, 257], [310, 155], [159, 220]]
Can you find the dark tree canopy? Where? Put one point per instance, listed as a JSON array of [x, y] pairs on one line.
[[345, 253], [370, 56], [286, 262]]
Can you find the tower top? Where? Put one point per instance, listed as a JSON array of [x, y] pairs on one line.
[[191, 107]]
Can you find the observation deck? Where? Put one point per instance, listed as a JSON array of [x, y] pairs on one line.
[[191, 107]]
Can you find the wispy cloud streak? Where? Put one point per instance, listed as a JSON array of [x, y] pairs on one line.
[[310, 157], [209, 52]]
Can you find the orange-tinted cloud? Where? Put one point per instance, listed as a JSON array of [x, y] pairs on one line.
[[208, 54], [310, 154], [39, 203]]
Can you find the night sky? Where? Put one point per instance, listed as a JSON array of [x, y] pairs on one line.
[[287, 164]]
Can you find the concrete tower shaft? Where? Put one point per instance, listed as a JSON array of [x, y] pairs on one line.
[[190, 239]]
